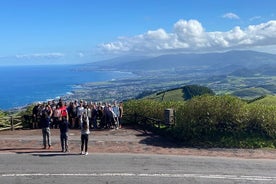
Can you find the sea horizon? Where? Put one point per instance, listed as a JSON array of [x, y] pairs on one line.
[[28, 84]]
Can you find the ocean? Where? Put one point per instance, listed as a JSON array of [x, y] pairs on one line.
[[23, 85]]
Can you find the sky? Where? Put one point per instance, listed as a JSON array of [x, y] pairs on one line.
[[81, 31]]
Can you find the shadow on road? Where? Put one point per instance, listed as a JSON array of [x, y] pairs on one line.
[[37, 152], [16, 149], [48, 153], [55, 154], [153, 139]]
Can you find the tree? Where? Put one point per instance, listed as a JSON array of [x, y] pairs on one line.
[[190, 91]]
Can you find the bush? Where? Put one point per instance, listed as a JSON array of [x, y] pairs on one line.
[[261, 120], [191, 91], [149, 108], [214, 120], [208, 117]]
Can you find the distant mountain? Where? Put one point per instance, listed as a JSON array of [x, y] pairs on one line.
[[247, 74], [114, 62], [230, 60]]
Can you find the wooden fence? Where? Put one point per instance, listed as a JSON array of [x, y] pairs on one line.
[[146, 122], [18, 122], [11, 123]]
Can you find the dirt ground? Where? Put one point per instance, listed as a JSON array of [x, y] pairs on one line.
[[125, 140]]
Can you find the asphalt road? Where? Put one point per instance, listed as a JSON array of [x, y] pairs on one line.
[[132, 168]]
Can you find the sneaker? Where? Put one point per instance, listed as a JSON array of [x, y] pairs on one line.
[[86, 153], [82, 153]]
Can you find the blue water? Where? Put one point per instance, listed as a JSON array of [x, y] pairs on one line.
[[22, 85]]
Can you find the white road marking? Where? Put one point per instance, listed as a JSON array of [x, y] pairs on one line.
[[229, 177]]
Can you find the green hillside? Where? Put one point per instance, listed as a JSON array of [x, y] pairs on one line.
[[180, 94], [267, 100], [249, 93], [172, 95]]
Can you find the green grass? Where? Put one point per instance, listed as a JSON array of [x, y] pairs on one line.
[[180, 94], [248, 93], [268, 100], [176, 95], [172, 95]]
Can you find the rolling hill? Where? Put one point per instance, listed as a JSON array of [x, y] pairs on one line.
[[179, 94], [231, 59], [246, 74], [266, 100]]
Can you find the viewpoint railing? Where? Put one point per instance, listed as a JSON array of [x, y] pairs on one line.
[[168, 119], [26, 121], [11, 123], [147, 123]]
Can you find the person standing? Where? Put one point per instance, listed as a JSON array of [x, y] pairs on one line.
[[64, 127], [84, 134], [80, 111], [45, 125], [121, 112], [89, 114], [56, 116], [63, 111], [94, 114], [116, 114], [35, 115]]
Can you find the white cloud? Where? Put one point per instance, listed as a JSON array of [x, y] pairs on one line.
[[34, 59], [40, 55], [230, 16], [190, 36], [255, 18]]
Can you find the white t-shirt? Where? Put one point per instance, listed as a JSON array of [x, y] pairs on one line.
[[80, 111]]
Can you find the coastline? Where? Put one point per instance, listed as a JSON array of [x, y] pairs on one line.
[[74, 84]]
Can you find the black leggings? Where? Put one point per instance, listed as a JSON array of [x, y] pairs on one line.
[[84, 141]]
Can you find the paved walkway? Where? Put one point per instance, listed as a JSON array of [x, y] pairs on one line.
[[117, 141]]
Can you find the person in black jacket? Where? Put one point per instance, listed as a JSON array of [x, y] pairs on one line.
[[45, 121], [64, 127]]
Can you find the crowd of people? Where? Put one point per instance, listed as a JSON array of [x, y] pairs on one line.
[[75, 115], [99, 115]]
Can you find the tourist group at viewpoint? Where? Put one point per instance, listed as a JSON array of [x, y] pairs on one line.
[[75, 115]]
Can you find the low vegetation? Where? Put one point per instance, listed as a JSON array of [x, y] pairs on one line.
[[18, 117], [214, 121], [179, 94]]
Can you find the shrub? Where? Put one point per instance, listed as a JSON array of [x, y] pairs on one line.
[[214, 120], [207, 117], [261, 120], [149, 108]]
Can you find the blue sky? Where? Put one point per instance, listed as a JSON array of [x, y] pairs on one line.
[[77, 31]]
